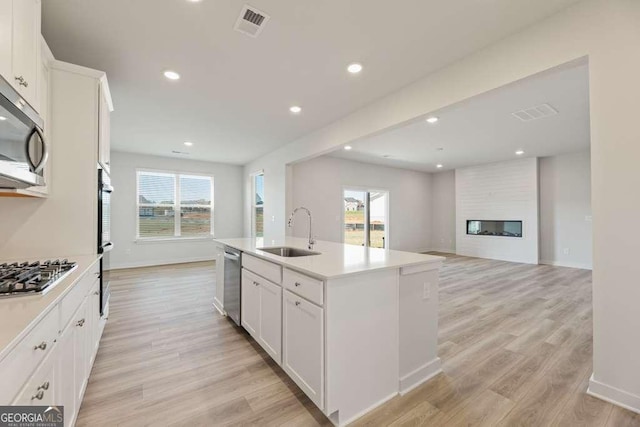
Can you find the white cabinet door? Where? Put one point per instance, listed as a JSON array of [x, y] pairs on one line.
[[41, 386], [65, 384], [26, 41], [92, 324], [250, 303], [303, 346], [80, 354], [6, 36], [271, 319], [104, 137]]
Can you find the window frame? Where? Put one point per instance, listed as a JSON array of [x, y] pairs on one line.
[[367, 223], [254, 205], [176, 206]]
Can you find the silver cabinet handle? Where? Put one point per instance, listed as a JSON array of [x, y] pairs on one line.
[[297, 283], [41, 346], [44, 386], [256, 283], [96, 293], [80, 323], [297, 303], [39, 395]]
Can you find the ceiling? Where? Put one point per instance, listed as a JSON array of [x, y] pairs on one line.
[[483, 129], [234, 96]]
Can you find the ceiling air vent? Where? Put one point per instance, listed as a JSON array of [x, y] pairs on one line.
[[535, 113], [251, 21]]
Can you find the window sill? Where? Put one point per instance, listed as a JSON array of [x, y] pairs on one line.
[[172, 240]]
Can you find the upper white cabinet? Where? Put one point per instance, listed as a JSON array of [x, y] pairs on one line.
[[6, 18], [104, 124], [21, 70]]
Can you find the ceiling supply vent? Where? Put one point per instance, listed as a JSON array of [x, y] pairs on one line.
[[535, 113], [179, 152], [251, 21]]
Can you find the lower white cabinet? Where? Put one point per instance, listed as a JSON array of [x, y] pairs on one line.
[[303, 345], [51, 365], [262, 312], [41, 387], [270, 336], [250, 303]]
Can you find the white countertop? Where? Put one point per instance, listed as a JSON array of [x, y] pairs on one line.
[[19, 314], [335, 259]]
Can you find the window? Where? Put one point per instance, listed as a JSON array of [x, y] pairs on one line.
[[174, 205], [257, 204], [366, 218]]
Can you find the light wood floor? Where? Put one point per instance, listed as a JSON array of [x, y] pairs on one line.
[[515, 341]]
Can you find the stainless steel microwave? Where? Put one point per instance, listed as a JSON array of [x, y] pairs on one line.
[[23, 149]]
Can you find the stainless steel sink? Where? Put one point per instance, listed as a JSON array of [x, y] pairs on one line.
[[288, 252]]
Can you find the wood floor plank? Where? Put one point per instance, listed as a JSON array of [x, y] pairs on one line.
[[514, 339]]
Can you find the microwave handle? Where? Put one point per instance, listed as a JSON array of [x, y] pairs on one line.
[[37, 168]]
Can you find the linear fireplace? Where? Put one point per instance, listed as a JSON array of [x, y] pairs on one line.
[[494, 228]]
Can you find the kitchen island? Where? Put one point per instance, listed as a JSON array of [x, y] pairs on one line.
[[352, 326]]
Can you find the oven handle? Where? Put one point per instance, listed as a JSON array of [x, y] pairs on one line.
[[107, 248]]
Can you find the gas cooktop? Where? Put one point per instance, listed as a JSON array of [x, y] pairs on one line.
[[32, 278]]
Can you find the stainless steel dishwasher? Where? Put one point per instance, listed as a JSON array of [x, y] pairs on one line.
[[232, 267]]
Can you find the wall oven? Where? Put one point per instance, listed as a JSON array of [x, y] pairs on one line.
[[104, 236], [23, 149]]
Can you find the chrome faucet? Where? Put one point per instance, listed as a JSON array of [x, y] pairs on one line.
[[290, 224]]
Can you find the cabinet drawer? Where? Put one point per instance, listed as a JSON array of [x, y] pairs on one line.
[[305, 286], [23, 360], [73, 299], [40, 388], [266, 269]]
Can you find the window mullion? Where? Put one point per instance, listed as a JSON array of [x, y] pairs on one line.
[[176, 209]]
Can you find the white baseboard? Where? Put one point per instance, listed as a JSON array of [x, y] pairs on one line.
[[614, 395], [419, 376], [351, 419], [218, 306], [566, 264], [138, 264]]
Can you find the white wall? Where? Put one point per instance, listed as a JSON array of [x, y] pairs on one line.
[[318, 185], [443, 212], [228, 196], [565, 210], [607, 33], [499, 191], [65, 223]]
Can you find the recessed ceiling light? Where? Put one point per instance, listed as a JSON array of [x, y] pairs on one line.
[[295, 109], [2, 118], [354, 68], [432, 119], [348, 147], [439, 166], [171, 75], [188, 143], [519, 153], [195, 1]]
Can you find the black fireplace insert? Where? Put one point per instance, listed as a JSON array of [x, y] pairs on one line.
[[483, 227]]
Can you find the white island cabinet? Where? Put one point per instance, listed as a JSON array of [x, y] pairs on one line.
[[352, 326]]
